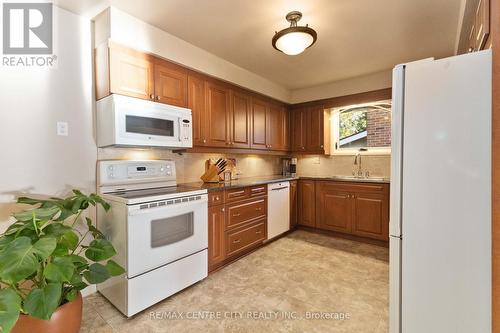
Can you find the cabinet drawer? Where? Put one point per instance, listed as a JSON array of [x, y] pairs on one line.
[[237, 194], [354, 186], [244, 212], [259, 190], [244, 238], [215, 198]]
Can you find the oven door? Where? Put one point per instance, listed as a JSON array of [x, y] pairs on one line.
[[148, 127], [161, 232]]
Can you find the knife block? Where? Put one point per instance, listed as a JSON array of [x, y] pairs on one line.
[[211, 174]]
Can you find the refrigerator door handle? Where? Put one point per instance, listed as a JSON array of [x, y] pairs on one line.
[[398, 94]]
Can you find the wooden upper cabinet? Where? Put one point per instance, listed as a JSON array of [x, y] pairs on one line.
[[298, 130], [131, 73], [307, 209], [218, 105], [482, 24], [170, 83], [317, 138], [240, 120], [259, 124], [197, 102], [333, 208], [277, 128], [371, 215]]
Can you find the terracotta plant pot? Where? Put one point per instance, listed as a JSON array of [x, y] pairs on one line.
[[66, 319]]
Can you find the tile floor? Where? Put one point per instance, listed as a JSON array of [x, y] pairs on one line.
[[275, 289]]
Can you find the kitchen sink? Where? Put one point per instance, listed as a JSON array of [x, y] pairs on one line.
[[373, 179]]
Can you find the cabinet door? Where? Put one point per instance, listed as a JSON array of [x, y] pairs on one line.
[[170, 83], [315, 129], [333, 208], [298, 133], [217, 115], [307, 209], [240, 120], [481, 24], [259, 124], [293, 204], [131, 73], [196, 102], [277, 126], [371, 215], [216, 251]]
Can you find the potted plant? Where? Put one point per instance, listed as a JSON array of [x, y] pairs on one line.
[[44, 263]]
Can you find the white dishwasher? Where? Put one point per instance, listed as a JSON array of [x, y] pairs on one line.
[[278, 209]]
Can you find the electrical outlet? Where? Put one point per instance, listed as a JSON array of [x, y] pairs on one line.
[[62, 128]]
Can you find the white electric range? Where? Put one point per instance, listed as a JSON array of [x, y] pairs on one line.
[[158, 229]]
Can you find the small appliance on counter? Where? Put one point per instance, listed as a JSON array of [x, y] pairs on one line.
[[290, 167], [159, 231]]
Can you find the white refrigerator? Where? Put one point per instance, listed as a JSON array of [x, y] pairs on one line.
[[440, 218]]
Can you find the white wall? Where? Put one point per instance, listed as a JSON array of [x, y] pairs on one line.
[[127, 30], [350, 86], [34, 160]]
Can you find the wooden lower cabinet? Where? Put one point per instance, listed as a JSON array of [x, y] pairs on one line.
[[333, 208], [306, 209], [371, 215], [237, 223], [355, 208], [216, 242], [247, 236]]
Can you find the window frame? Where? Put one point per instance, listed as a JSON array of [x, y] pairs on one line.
[[335, 137]]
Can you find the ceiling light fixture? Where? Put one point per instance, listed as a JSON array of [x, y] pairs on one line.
[[294, 39]]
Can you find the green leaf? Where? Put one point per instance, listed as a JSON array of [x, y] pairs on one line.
[[71, 295], [61, 250], [5, 240], [59, 270], [56, 229], [99, 200], [39, 213], [44, 247], [97, 273], [100, 249], [41, 303], [93, 230], [10, 306], [69, 239], [65, 213], [114, 269], [17, 260], [29, 201]]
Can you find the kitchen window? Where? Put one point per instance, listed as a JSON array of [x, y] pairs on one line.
[[362, 127]]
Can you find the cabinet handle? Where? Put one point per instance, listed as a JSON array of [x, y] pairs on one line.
[[236, 241], [223, 209], [157, 98], [236, 214], [204, 141], [321, 146], [258, 232], [258, 209], [152, 96]]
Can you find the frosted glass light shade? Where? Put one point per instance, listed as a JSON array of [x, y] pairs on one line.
[[294, 43]]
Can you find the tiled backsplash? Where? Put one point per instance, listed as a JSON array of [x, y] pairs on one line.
[[342, 165], [190, 166]]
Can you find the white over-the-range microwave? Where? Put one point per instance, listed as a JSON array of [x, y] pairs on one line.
[[129, 121]]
